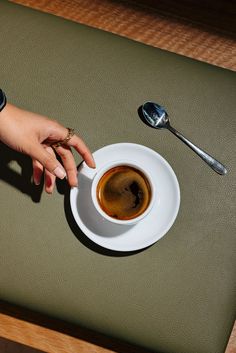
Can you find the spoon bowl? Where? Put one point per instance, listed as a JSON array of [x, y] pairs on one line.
[[155, 116]]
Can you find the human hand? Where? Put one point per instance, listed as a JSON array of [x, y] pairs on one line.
[[34, 135]]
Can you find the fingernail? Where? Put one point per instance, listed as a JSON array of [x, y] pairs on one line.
[[37, 180], [59, 172], [49, 191], [37, 176], [93, 164]]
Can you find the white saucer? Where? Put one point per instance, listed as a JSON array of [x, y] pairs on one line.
[[147, 231]]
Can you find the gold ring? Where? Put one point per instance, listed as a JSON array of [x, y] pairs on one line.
[[70, 133]]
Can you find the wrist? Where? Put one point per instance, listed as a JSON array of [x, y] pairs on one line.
[[5, 121], [3, 100]]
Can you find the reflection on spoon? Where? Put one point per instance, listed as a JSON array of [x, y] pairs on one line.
[[155, 116]]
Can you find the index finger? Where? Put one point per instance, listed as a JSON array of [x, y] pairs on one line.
[[82, 149]]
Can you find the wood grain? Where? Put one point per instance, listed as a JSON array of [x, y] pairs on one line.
[[205, 31], [55, 336], [38, 339], [43, 338], [51, 335], [7, 346]]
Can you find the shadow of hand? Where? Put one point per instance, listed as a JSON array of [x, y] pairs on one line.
[[20, 180]]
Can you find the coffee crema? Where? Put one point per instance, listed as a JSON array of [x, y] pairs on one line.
[[123, 192]]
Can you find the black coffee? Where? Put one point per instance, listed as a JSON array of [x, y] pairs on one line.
[[123, 192]]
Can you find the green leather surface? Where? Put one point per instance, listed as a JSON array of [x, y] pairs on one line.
[[177, 296]]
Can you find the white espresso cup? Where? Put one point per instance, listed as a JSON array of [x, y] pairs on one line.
[[123, 192]]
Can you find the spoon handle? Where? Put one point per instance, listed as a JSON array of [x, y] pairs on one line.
[[212, 162]]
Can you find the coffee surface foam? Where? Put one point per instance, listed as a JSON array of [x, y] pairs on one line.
[[123, 192]]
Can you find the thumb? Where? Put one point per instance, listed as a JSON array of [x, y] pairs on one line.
[[48, 160]]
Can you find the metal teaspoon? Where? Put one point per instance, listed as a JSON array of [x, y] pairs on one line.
[[155, 116]]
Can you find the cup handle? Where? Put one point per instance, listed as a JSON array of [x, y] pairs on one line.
[[86, 171]]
